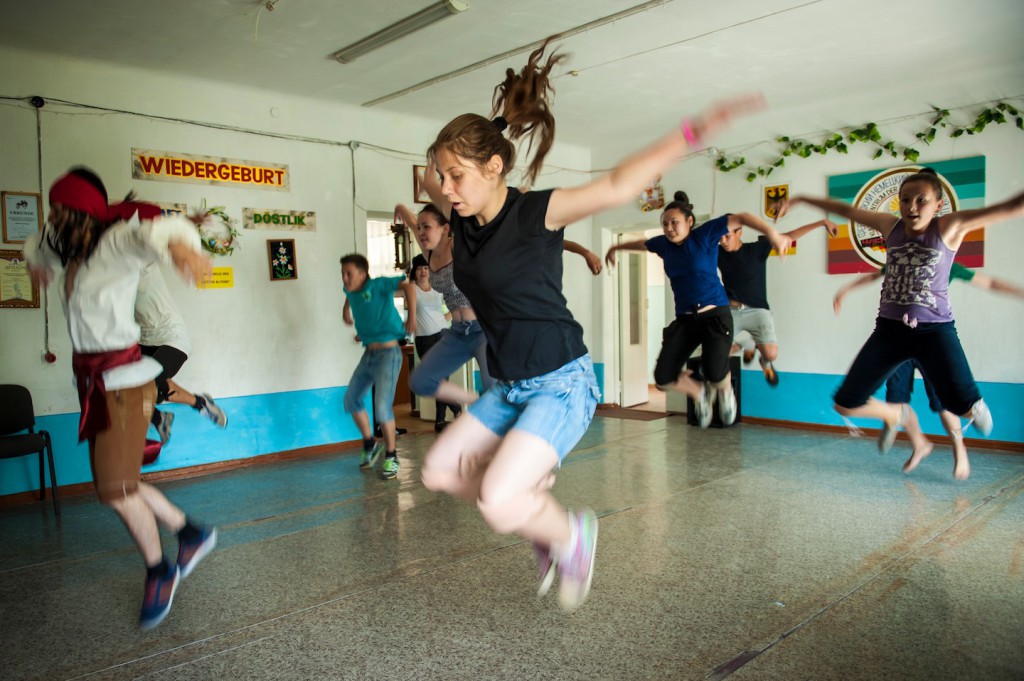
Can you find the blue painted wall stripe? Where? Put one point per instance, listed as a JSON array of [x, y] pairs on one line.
[[277, 422], [807, 398]]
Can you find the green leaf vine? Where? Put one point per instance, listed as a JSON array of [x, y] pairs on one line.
[[869, 133]]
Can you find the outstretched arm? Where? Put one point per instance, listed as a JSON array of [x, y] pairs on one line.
[[629, 178], [780, 242], [864, 280], [830, 227], [955, 226], [984, 281], [609, 257], [880, 222], [593, 260]]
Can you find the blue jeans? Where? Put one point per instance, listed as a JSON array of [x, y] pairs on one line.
[[556, 407], [459, 344], [936, 348], [379, 369]]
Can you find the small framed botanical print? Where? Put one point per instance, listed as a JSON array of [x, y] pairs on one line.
[[281, 259]]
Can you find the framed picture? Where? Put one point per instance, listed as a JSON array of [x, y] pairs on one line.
[[418, 191], [281, 259], [16, 286], [22, 216]]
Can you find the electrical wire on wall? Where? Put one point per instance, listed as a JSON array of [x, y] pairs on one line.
[[38, 103]]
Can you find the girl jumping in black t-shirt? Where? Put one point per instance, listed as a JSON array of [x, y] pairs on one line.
[[500, 454]]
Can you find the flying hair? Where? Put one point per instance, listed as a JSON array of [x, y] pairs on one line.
[[523, 103]]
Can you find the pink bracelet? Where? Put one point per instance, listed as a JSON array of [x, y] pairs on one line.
[[689, 134]]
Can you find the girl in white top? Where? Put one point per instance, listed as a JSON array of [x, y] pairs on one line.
[[102, 250], [431, 319], [164, 337]]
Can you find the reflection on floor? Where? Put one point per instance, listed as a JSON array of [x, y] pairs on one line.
[[757, 552]]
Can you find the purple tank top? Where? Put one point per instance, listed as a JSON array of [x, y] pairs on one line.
[[916, 283]]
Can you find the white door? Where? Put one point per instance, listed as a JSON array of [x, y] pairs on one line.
[[633, 377]]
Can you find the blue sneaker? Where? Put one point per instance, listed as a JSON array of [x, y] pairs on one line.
[[164, 426], [576, 571], [191, 552], [212, 411], [156, 602]]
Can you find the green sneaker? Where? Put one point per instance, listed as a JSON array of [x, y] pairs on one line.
[[390, 468], [370, 457]]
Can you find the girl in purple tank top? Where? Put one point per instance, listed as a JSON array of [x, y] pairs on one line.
[[915, 321]]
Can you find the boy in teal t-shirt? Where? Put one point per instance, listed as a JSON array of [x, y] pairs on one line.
[[370, 304]]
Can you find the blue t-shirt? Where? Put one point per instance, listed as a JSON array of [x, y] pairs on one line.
[[692, 266], [374, 312]]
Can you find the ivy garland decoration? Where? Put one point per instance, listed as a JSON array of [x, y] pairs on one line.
[[216, 230], [997, 114]]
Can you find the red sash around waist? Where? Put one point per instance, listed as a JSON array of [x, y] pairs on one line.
[[88, 368]]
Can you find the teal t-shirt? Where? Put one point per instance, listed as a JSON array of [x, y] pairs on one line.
[[374, 312]]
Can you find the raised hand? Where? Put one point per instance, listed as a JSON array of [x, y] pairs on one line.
[[192, 265], [720, 115], [609, 257]]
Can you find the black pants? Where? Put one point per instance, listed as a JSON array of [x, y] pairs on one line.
[[711, 329], [423, 345], [936, 348], [171, 360]]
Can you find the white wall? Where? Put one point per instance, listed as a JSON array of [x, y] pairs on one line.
[[811, 338], [259, 337]]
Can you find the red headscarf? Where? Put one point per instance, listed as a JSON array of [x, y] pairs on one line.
[[77, 193]]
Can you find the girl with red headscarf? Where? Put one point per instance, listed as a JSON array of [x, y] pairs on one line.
[[102, 249]]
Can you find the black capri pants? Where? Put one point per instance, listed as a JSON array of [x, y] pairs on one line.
[[711, 330], [935, 347]]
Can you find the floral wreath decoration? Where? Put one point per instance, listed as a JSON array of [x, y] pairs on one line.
[[216, 230]]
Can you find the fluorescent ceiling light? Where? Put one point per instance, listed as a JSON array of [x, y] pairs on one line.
[[422, 19]]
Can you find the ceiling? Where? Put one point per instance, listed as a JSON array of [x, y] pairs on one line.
[[822, 64]]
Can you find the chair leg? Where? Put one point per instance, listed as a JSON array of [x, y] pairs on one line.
[[53, 476], [42, 477]]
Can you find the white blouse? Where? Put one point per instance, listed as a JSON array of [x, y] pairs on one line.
[[101, 308], [158, 318]]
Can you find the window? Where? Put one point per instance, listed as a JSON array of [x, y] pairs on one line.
[[380, 249]]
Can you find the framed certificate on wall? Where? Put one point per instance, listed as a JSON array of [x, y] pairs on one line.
[[16, 286], [23, 216]]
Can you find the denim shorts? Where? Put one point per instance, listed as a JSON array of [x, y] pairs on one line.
[[556, 407]]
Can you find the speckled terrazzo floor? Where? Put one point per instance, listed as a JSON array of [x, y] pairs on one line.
[[750, 553]]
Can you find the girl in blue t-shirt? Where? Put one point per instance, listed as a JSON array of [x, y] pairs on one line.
[[703, 316], [500, 453]]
